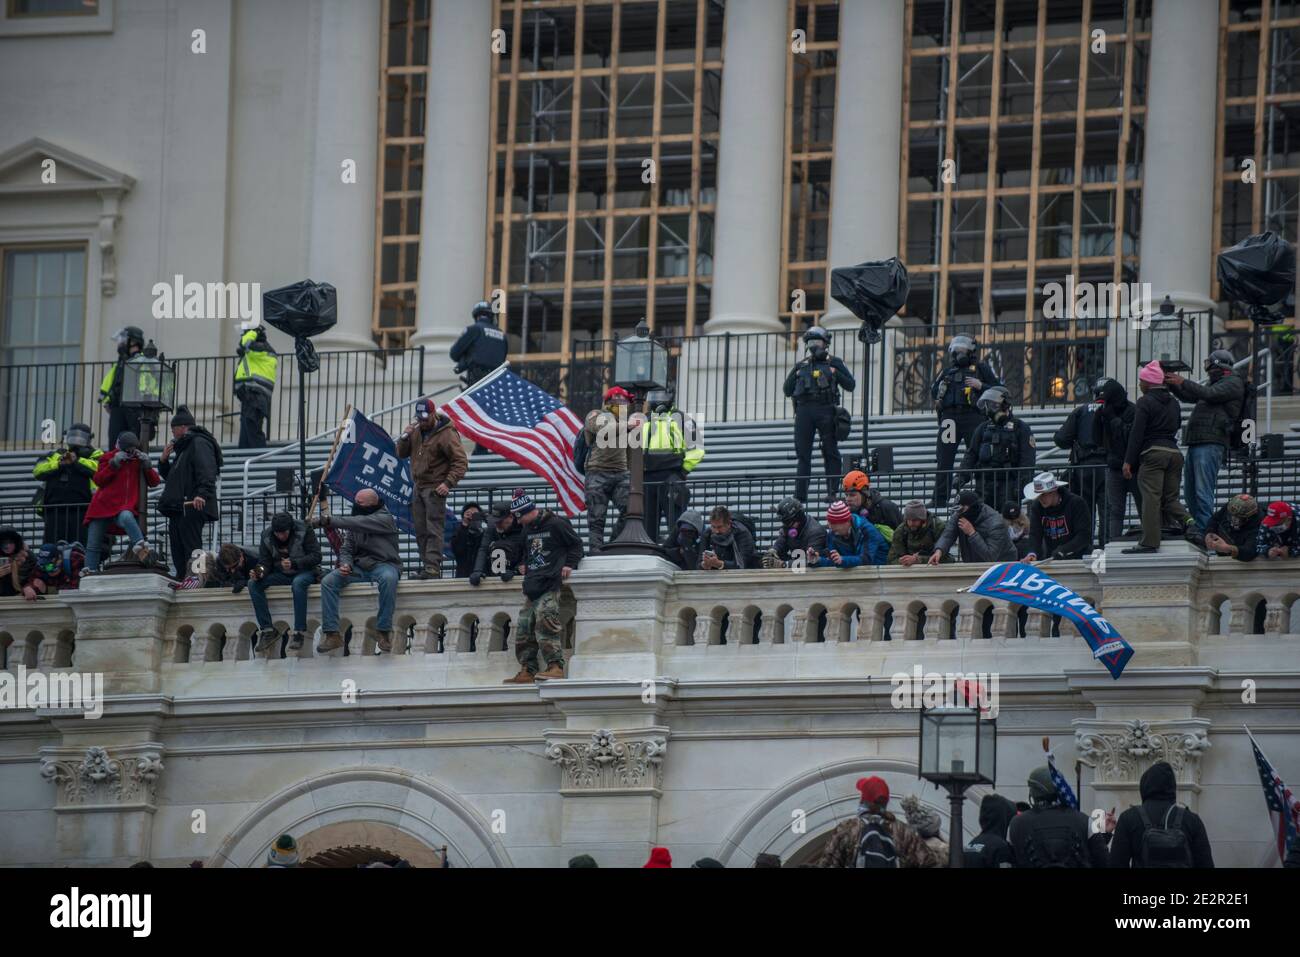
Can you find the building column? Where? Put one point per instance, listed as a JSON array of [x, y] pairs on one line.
[[1179, 162], [864, 217], [454, 202], [341, 221], [751, 152]]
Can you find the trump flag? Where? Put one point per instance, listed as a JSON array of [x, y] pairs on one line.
[[1025, 585], [367, 458]]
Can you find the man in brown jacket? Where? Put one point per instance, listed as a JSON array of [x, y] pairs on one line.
[[438, 462], [608, 479], [893, 844]]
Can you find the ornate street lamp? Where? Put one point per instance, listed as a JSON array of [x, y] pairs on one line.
[[1168, 336], [959, 749], [640, 366]]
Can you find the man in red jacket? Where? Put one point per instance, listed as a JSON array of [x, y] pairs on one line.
[[115, 505]]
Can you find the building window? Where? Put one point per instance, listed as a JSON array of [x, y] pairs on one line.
[[42, 317], [602, 183], [53, 8], [1258, 125], [1022, 151]]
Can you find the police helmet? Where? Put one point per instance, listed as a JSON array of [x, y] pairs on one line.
[[962, 344], [660, 400], [993, 400], [483, 311], [817, 334], [789, 510], [129, 334], [78, 435]]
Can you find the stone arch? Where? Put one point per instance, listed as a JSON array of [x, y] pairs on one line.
[[850, 620], [781, 623], [372, 838], [827, 795], [498, 632], [951, 616], [750, 627], [815, 624], [363, 797], [436, 642], [686, 626]]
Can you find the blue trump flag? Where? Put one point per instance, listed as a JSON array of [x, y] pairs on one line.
[[1026, 585], [367, 458]]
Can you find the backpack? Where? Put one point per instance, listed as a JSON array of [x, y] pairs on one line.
[[1166, 845], [1054, 846], [875, 846], [580, 450], [747, 523], [1236, 440]]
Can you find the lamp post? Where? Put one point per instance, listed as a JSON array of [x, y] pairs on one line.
[[640, 365], [958, 749], [149, 389]]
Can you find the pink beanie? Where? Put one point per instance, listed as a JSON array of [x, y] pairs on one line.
[[1152, 373]]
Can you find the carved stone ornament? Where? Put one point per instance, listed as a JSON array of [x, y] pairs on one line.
[[100, 778], [1122, 754], [607, 763]]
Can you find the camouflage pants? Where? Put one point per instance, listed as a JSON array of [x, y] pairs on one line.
[[540, 629], [602, 488]]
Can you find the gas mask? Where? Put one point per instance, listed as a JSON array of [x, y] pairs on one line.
[[817, 350]]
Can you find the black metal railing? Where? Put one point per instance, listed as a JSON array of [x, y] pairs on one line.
[[63, 393]]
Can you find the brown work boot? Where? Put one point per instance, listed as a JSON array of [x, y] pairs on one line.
[[384, 640], [328, 642], [554, 670], [525, 677], [267, 639]]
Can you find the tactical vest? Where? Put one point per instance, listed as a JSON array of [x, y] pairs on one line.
[[1000, 446], [815, 382]]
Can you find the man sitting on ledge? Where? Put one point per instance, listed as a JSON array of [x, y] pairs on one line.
[[368, 554]]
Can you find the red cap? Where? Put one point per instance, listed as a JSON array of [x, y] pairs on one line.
[[618, 392], [659, 857], [1278, 512], [874, 791], [839, 513]]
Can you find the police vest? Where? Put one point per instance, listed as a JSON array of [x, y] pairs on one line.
[[256, 367], [1000, 445], [815, 382], [489, 349]]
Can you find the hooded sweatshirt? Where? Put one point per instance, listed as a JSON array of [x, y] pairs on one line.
[[1159, 790], [989, 848], [990, 543], [1245, 536], [805, 534], [1062, 531], [1155, 423], [550, 545], [1114, 422], [192, 470]]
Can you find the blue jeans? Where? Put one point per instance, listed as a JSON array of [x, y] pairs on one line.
[[385, 576], [300, 582], [1200, 476], [95, 535]]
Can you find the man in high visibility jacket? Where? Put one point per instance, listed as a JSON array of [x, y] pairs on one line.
[[669, 458], [130, 342], [254, 383], [67, 473]]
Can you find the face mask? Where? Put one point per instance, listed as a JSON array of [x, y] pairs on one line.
[[1000, 416], [365, 510], [961, 358], [817, 350]]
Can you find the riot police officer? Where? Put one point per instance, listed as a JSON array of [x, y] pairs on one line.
[[1001, 452], [956, 393], [130, 341], [481, 347], [814, 384]]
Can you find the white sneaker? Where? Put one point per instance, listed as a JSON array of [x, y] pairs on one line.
[[141, 550]]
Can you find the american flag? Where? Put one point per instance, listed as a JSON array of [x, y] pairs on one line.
[[516, 419], [1283, 809], [1062, 786]]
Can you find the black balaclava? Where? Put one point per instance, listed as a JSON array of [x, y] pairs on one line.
[[362, 510]]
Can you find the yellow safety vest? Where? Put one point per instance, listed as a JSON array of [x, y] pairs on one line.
[[256, 368], [662, 434]]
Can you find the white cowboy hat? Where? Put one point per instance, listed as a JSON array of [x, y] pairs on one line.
[[1043, 482]]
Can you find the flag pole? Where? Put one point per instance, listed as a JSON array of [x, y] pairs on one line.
[[338, 435]]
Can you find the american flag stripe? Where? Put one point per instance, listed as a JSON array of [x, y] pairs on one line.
[[1283, 808], [544, 446]]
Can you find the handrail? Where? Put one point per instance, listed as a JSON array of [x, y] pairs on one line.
[[279, 450]]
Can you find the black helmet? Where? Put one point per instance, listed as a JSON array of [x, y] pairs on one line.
[[817, 333], [482, 311], [129, 334], [993, 400], [789, 510], [79, 435], [1099, 387], [660, 400]]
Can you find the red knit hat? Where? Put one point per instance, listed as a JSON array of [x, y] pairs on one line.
[[839, 513], [659, 857], [874, 791]]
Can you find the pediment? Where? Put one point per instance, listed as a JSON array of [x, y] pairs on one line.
[[21, 169]]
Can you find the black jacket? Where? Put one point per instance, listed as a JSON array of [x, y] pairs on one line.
[[1044, 835], [465, 544], [192, 469], [302, 549], [1217, 407], [510, 543], [810, 534], [1114, 423], [1004, 453], [881, 511], [736, 552], [1078, 433], [989, 848], [1158, 788], [949, 389], [1062, 531], [481, 344], [550, 544], [1155, 423], [1246, 538], [818, 381], [218, 577]]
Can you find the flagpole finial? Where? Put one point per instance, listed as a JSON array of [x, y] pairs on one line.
[[1046, 743]]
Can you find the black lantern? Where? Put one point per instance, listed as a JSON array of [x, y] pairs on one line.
[[1168, 336], [958, 749], [640, 362]]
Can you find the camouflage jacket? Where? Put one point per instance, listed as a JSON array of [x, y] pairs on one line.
[[842, 848]]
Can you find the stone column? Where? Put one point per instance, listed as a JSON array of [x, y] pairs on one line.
[[868, 119], [747, 236], [120, 629], [341, 221], [454, 202], [1178, 188]]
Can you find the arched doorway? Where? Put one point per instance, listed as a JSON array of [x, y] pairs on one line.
[[361, 843]]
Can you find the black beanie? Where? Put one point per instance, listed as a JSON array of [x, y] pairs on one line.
[[281, 522], [183, 416]]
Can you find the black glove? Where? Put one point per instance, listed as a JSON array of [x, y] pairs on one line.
[[506, 576], [475, 578], [238, 588], [119, 458]]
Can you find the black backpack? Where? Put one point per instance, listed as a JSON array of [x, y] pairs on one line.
[[1056, 845], [1166, 845], [580, 451], [875, 846]]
